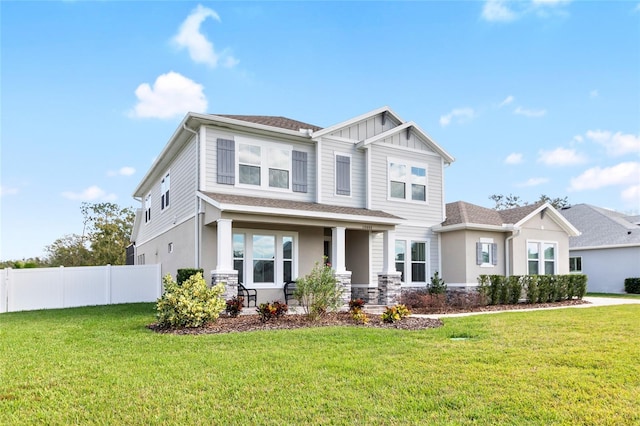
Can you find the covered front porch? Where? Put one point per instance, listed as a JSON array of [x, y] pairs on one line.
[[264, 246]]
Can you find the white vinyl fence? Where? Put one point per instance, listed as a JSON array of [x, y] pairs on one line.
[[51, 288]]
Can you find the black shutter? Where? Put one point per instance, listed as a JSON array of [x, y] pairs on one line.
[[226, 161]]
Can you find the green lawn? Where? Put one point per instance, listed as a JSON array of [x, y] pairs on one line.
[[100, 365]]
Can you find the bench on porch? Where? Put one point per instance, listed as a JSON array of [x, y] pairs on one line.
[[248, 294], [289, 290]]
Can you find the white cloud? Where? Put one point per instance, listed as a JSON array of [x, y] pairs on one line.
[[616, 143], [550, 2], [460, 115], [497, 11], [4, 190], [513, 158], [200, 49], [637, 8], [594, 94], [561, 157], [122, 171], [533, 182], [509, 99], [92, 193], [577, 139], [627, 173], [532, 113], [172, 95], [631, 195]]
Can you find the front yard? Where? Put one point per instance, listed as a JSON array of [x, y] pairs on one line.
[[101, 365]]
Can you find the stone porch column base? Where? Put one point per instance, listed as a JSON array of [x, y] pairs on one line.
[[229, 279], [344, 280], [389, 288]]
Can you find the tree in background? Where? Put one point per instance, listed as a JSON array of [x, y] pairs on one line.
[[104, 239], [32, 262], [510, 201]]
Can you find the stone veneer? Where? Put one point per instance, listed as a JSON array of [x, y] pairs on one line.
[[229, 279], [389, 288], [368, 294], [344, 280]]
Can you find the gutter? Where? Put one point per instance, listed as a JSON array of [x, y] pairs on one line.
[[515, 232], [197, 199]]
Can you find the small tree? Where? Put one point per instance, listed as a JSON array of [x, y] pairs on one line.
[[437, 285], [318, 292]]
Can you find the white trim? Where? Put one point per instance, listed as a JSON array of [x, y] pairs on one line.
[[559, 219], [318, 171], [202, 142], [367, 156], [264, 163], [541, 260], [408, 193], [335, 173], [472, 226], [611, 246]]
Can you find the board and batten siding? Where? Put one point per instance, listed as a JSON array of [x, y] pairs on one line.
[[366, 129], [182, 173], [329, 149], [210, 183], [429, 213]]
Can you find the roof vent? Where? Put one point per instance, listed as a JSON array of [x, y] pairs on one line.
[[628, 232]]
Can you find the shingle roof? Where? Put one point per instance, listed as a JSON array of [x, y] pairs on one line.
[[600, 227], [244, 200], [273, 121], [460, 212]]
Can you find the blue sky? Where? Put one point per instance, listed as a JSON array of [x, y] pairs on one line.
[[530, 97]]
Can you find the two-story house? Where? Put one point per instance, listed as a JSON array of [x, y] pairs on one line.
[[260, 199]]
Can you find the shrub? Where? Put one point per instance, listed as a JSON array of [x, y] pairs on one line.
[[561, 289], [192, 304], [545, 292], [421, 299], [437, 285], [483, 286], [514, 289], [318, 292], [355, 304], [234, 306], [185, 273], [465, 299], [632, 285], [530, 283], [579, 285], [395, 313], [497, 290], [273, 310]]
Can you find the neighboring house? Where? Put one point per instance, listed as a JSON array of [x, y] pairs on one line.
[[608, 250], [529, 240], [260, 199]]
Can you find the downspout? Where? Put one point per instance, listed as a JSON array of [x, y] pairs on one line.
[[514, 233], [196, 215]]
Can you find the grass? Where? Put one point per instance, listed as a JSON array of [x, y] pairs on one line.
[[615, 295], [100, 365]]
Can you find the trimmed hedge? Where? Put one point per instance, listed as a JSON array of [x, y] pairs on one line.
[[632, 285], [186, 273], [499, 290]]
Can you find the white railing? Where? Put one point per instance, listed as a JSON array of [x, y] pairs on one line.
[[52, 288]]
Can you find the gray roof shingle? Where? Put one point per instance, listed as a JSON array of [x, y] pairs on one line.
[[600, 227], [273, 121], [460, 212]]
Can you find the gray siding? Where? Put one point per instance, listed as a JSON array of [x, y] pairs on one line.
[[366, 128], [329, 149], [428, 214], [210, 183], [607, 269]]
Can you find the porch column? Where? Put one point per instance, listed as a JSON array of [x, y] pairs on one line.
[[339, 265], [224, 272], [389, 284]]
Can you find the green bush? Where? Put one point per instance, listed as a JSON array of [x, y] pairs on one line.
[[318, 292], [437, 285], [192, 304], [395, 313], [632, 285], [545, 290], [514, 289], [561, 289], [579, 285], [185, 273], [530, 283], [497, 291], [483, 287]]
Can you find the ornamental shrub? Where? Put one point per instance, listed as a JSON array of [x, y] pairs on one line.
[[514, 289], [483, 287], [530, 283], [437, 285], [355, 304], [318, 292], [632, 285], [579, 284], [273, 310], [185, 273], [234, 306], [192, 304], [395, 313]]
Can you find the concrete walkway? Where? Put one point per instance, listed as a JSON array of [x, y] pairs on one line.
[[593, 302]]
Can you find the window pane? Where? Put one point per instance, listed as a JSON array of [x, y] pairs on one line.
[[418, 192], [264, 247], [238, 265], [397, 190], [400, 268], [532, 250], [279, 158], [263, 271], [578, 264], [287, 276], [400, 249], [287, 247], [397, 172], [486, 253], [549, 251], [549, 268], [278, 178], [418, 252], [238, 245], [250, 175], [249, 154], [533, 267], [418, 272], [418, 175]]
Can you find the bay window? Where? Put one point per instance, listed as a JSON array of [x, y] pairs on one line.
[[264, 258]]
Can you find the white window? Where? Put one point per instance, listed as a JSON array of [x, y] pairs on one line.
[[265, 166], [264, 258], [147, 208], [486, 253], [541, 258], [164, 191], [575, 264], [343, 174], [407, 181], [414, 270]]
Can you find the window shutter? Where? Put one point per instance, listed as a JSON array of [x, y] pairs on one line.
[[494, 254], [299, 183], [343, 179], [226, 161], [478, 253]]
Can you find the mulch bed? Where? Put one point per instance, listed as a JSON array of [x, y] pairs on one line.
[[244, 323]]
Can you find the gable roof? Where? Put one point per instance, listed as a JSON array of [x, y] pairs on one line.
[[352, 121], [273, 121], [601, 227], [463, 215]]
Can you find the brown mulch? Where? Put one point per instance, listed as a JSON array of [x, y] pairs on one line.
[[244, 323]]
